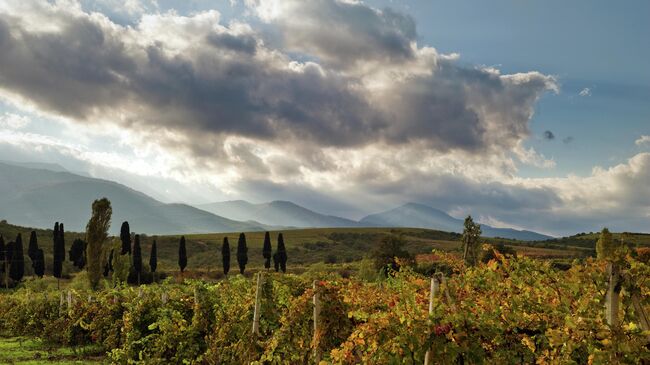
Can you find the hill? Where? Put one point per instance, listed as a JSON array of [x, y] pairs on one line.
[[37, 197], [277, 213], [422, 216]]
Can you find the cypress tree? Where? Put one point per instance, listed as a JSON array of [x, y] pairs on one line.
[[137, 257], [267, 251], [3, 263], [57, 264], [125, 237], [17, 267], [61, 243], [276, 262], [96, 234], [33, 246], [282, 253], [182, 255], [153, 257], [225, 256], [77, 253], [109, 264], [39, 263], [242, 253]]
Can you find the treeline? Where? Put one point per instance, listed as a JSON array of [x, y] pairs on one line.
[[117, 260]]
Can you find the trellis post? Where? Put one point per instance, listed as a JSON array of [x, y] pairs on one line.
[[613, 293], [435, 287], [256, 314]]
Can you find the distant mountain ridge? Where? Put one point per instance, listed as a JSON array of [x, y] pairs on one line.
[[412, 215], [422, 216], [37, 197], [277, 213]]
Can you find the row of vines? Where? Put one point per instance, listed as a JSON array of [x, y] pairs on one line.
[[507, 311]]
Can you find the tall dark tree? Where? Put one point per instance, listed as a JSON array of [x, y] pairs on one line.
[[39, 263], [471, 247], [182, 254], [267, 251], [4, 261], [57, 264], [33, 246], [137, 257], [17, 266], [386, 254], [109, 264], [153, 257], [282, 253], [77, 253], [61, 245], [225, 256], [125, 237], [276, 262], [9, 253], [242, 253]]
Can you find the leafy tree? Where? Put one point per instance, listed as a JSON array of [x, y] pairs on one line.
[[57, 264], [33, 246], [225, 256], [500, 248], [471, 249], [276, 262], [96, 235], [120, 265], [137, 257], [77, 253], [17, 266], [182, 255], [153, 257], [39, 263], [267, 251], [242, 253], [125, 237], [387, 253], [282, 253]]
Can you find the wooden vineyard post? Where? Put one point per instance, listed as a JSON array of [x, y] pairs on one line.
[[256, 314], [435, 287], [140, 293], [164, 297], [644, 320], [613, 293], [317, 354], [69, 300], [61, 302]]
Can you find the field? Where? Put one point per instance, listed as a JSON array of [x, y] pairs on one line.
[[29, 351], [508, 311]]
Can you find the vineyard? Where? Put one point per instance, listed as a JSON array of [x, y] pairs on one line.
[[510, 310]]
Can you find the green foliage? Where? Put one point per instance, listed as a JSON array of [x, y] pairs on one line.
[[77, 253], [97, 234], [57, 258], [282, 253], [471, 235], [121, 266], [509, 311], [137, 257], [609, 249]]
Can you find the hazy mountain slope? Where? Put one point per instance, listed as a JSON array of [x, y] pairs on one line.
[[422, 216], [37, 197], [278, 213]]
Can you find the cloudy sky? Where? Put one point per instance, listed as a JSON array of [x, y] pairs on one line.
[[525, 114]]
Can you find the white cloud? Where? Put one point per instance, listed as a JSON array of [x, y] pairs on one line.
[[585, 92], [13, 121], [643, 140]]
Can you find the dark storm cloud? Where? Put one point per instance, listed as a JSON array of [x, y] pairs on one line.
[[341, 33], [196, 79], [549, 136]]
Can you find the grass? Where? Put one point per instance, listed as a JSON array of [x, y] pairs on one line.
[[28, 351]]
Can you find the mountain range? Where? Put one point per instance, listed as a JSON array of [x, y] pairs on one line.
[[37, 194]]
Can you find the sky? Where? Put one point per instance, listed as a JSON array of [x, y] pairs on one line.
[[525, 114]]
